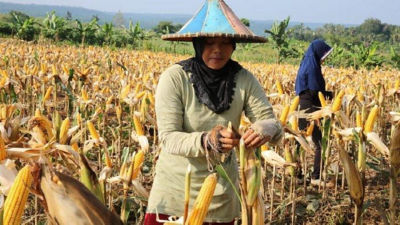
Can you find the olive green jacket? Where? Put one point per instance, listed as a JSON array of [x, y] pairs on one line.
[[181, 120]]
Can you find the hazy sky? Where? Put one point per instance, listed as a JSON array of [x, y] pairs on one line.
[[326, 11]]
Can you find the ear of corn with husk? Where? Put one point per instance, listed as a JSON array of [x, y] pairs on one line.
[[15, 203], [70, 202], [352, 176], [203, 201]]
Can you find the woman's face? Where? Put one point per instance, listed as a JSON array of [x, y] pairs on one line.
[[217, 52]]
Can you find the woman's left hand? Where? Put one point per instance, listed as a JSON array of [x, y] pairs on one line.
[[253, 140]]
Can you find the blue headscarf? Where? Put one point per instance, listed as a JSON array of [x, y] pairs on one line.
[[309, 76]]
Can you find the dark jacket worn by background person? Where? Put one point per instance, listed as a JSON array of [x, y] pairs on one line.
[[309, 82], [309, 76]]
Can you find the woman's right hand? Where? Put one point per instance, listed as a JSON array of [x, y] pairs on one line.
[[221, 139], [229, 139]]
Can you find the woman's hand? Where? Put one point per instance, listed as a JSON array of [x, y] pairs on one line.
[[228, 139], [254, 140], [221, 139]]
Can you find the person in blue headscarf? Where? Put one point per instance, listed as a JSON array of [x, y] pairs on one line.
[[309, 82]]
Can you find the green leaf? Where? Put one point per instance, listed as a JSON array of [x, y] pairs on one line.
[[222, 173]]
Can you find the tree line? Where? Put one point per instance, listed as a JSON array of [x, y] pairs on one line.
[[371, 44]]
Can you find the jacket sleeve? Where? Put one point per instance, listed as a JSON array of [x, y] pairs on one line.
[[257, 107], [169, 112]]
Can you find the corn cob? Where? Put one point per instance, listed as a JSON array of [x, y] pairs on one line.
[[137, 89], [397, 85], [294, 123], [264, 147], [352, 176], [3, 153], [107, 159], [321, 99], [92, 130], [295, 104], [137, 163], [289, 159], [48, 93], [284, 115], [109, 100], [84, 95], [140, 94], [358, 119], [360, 96], [17, 197], [64, 131], [279, 87], [118, 111], [203, 201], [78, 119], [338, 101], [53, 69], [138, 126], [125, 91], [369, 123]]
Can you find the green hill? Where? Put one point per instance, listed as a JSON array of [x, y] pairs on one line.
[[147, 20]]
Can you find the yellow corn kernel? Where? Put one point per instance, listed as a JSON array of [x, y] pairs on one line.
[[84, 95], [38, 113], [264, 147], [289, 159], [48, 93], [109, 100], [203, 200], [138, 88], [78, 119], [75, 147], [360, 96], [118, 111], [138, 161], [279, 87], [295, 123], [15, 203], [125, 91], [397, 85], [92, 130], [322, 99], [140, 94], [107, 159], [295, 104], [337, 103], [284, 115], [358, 119], [3, 153], [138, 126], [64, 131], [310, 129], [369, 123], [4, 112]]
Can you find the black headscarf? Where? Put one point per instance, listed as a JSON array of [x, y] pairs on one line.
[[214, 88]]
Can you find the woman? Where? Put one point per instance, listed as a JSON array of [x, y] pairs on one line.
[[309, 82], [195, 101]]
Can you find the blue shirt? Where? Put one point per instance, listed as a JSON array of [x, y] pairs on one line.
[[309, 76]]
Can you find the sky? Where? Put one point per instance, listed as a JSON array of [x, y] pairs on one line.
[[318, 11]]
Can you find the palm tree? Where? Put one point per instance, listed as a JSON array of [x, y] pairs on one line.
[[53, 26], [86, 30]]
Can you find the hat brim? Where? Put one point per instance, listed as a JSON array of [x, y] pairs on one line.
[[239, 38]]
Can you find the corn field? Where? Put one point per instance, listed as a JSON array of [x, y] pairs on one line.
[[78, 141]]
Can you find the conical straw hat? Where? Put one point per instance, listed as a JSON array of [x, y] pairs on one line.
[[215, 19]]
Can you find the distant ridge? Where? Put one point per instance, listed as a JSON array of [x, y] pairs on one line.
[[146, 20]]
